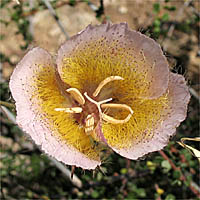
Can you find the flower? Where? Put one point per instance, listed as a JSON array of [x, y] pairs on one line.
[[109, 86]]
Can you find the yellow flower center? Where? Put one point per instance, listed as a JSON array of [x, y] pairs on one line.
[[90, 111]]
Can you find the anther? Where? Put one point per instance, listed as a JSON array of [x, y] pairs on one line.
[[104, 82], [89, 124], [120, 106], [70, 110], [112, 120], [76, 95]]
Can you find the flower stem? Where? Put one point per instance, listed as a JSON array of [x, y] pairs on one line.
[[10, 105]]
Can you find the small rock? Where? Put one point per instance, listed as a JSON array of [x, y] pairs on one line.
[[123, 10]]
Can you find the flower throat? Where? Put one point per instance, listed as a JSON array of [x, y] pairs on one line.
[[89, 112]]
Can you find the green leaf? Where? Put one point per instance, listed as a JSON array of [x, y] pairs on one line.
[[141, 192], [151, 165], [157, 22], [170, 197], [131, 195], [2, 36], [166, 165], [176, 174], [30, 194], [176, 182], [99, 176], [170, 8], [123, 171], [165, 17], [132, 187], [189, 178], [86, 177], [156, 8], [72, 2], [95, 194], [156, 30], [4, 3]]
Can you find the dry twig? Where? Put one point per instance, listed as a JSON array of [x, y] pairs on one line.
[[194, 94], [60, 4], [172, 27], [53, 13], [67, 173], [182, 177]]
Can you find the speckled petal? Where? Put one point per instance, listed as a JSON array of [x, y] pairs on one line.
[[36, 91], [178, 98], [123, 52]]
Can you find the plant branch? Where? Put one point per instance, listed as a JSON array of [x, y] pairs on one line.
[[53, 13], [4, 103], [182, 177], [172, 27], [60, 4], [76, 181], [194, 94], [8, 114]]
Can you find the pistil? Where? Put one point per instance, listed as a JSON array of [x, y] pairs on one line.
[[91, 117], [97, 103]]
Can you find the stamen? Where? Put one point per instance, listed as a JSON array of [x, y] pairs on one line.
[[113, 120], [89, 127], [108, 118], [76, 95], [120, 106], [104, 82], [70, 110]]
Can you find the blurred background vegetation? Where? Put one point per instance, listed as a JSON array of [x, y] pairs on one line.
[[26, 173]]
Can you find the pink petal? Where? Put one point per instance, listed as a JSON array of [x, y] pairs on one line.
[[179, 98], [29, 116], [137, 47]]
